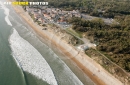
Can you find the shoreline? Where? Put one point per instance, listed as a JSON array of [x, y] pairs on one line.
[[80, 59]]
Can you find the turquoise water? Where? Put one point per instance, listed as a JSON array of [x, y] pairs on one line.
[[11, 74]]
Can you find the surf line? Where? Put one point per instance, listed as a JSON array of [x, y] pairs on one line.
[[6, 12], [21, 69], [31, 61]]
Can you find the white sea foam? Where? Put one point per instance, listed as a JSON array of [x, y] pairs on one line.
[[30, 60], [6, 11]]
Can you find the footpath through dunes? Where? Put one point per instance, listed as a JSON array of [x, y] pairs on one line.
[[30, 60], [90, 67]]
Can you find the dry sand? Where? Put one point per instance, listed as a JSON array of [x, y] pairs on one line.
[[88, 66]]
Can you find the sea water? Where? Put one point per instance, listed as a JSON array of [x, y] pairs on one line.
[[10, 74], [25, 60]]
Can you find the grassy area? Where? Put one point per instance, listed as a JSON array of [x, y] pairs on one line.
[[74, 32], [105, 54], [89, 52], [32, 16], [106, 63]]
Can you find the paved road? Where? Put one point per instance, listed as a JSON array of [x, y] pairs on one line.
[[106, 20]]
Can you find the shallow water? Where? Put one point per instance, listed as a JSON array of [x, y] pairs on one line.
[[11, 74]]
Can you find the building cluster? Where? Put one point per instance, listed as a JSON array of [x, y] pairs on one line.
[[52, 15]]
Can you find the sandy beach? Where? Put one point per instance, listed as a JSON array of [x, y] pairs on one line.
[[92, 69]]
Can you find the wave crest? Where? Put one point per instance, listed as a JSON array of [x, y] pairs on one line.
[[6, 12], [30, 60]]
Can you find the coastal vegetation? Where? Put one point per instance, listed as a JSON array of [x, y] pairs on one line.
[[70, 36], [100, 8], [104, 8], [113, 39], [98, 32], [75, 33]]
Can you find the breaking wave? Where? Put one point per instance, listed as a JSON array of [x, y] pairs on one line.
[[6, 12], [30, 60]]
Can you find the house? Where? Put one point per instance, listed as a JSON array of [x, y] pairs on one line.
[[83, 47], [36, 15], [48, 10], [48, 17], [77, 15], [62, 18], [41, 19], [65, 12]]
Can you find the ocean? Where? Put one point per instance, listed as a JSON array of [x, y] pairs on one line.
[[26, 60]]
